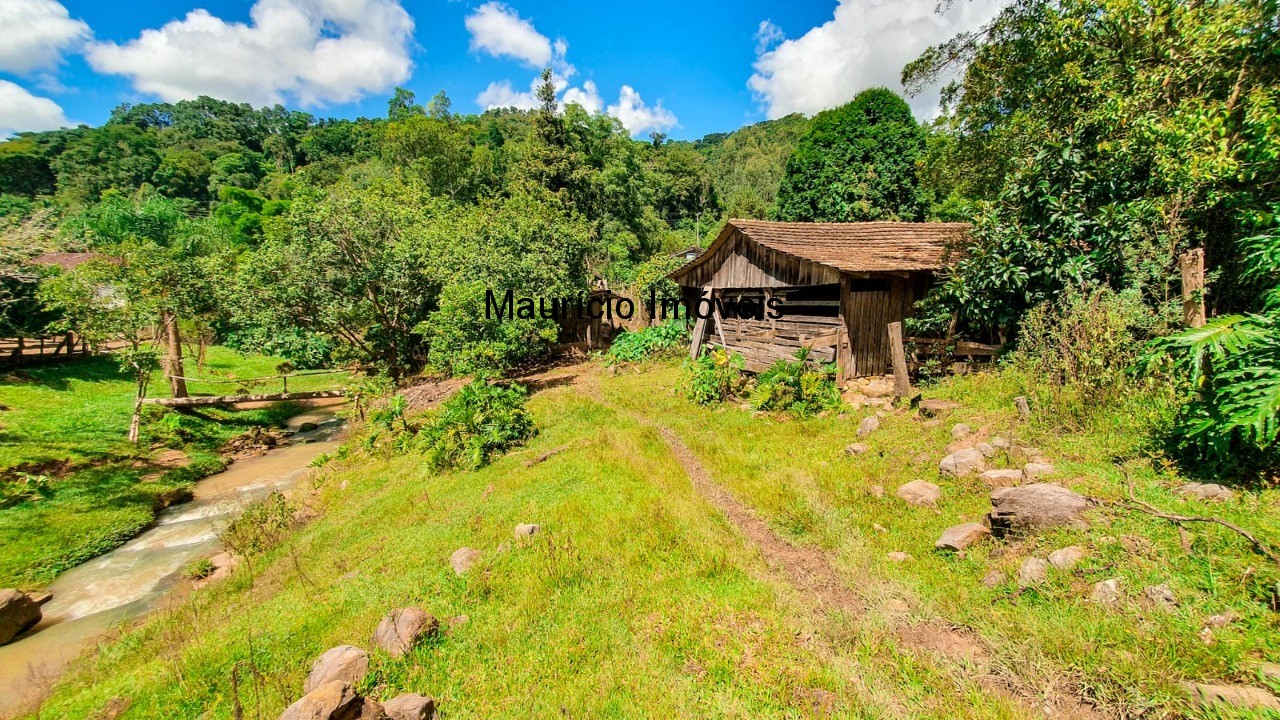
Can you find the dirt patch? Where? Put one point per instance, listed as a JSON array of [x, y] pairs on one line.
[[429, 394]]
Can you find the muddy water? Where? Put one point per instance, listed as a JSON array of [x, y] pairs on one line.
[[91, 600]]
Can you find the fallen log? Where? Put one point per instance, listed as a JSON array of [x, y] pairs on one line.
[[206, 400]]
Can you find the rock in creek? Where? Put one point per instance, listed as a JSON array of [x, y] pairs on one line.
[[18, 613]]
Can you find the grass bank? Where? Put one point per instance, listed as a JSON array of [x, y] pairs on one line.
[[68, 423], [640, 599]]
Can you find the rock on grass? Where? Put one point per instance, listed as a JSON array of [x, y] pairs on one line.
[[959, 537], [1031, 508], [410, 706], [963, 463], [344, 663], [18, 612], [401, 629], [920, 493]]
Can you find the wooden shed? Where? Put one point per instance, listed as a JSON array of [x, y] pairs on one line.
[[837, 285]]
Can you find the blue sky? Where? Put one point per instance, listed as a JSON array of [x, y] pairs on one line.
[[685, 68]]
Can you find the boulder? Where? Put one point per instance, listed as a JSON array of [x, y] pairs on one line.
[[345, 663], [963, 463], [1161, 596], [878, 388], [18, 613], [410, 706], [987, 449], [999, 443], [463, 558], [898, 557], [334, 700], [174, 496], [920, 493], [1067, 557], [1034, 571], [1106, 592], [957, 445], [959, 537], [868, 426], [1236, 696], [934, 407], [1208, 492], [308, 427], [1037, 470], [855, 448], [1029, 508], [525, 530], [960, 431], [401, 629], [1002, 478]]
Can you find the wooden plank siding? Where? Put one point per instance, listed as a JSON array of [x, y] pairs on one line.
[[763, 342]]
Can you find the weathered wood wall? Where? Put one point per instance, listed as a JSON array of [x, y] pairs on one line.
[[867, 307], [764, 342]]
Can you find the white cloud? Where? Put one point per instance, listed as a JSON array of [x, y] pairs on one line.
[[498, 30], [35, 33], [865, 44], [766, 35], [20, 111], [314, 51], [588, 96], [501, 94], [637, 117]]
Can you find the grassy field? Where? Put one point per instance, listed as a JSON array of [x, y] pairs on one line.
[[641, 599], [69, 422]]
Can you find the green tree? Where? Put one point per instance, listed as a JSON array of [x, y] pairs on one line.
[[856, 162]]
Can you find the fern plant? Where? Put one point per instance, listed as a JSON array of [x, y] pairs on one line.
[[1231, 366], [797, 386], [478, 422]]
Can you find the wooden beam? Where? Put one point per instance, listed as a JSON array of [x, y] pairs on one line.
[[209, 400], [699, 332], [1192, 264], [901, 381]]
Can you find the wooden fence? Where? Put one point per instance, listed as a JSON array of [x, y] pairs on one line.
[[20, 352]]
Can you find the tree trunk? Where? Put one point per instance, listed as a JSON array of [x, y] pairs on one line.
[[173, 366]]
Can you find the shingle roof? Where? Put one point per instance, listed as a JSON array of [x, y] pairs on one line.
[[852, 247]]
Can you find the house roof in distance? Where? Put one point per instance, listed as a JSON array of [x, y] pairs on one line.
[[856, 247]]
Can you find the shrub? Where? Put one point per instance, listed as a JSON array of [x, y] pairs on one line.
[[797, 386], [647, 342], [465, 342], [23, 487], [481, 420], [260, 527], [715, 376], [1076, 353]]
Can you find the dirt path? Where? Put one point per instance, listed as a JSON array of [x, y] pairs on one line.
[[807, 569], [811, 571]]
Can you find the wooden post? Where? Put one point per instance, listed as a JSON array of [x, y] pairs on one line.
[[901, 381], [695, 344], [1192, 263]]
